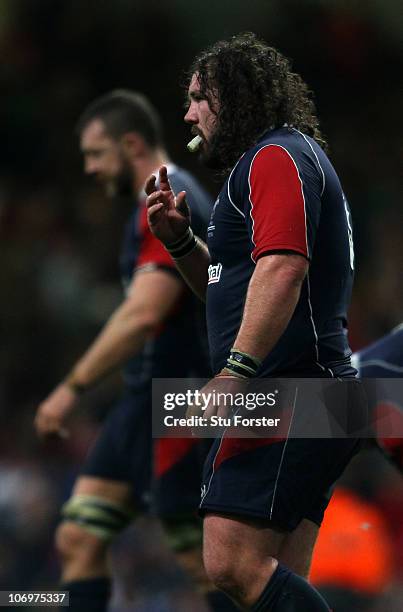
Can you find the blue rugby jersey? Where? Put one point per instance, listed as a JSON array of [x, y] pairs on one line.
[[383, 358], [284, 195], [178, 349]]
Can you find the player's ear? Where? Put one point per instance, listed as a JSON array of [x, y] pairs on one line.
[[133, 144]]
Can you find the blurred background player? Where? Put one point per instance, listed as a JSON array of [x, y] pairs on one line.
[[356, 553], [155, 332], [384, 359]]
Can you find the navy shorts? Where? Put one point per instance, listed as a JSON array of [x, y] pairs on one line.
[[280, 481], [123, 448], [178, 469], [165, 475]]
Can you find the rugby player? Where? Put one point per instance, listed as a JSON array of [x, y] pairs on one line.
[[384, 359], [121, 141], [277, 275]]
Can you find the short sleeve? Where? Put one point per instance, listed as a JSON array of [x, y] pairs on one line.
[[277, 217], [152, 253]]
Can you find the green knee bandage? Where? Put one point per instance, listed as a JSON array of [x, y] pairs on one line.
[[97, 515], [183, 534]]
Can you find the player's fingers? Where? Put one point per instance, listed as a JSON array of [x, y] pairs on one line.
[[163, 179], [164, 182], [222, 411], [210, 410], [54, 431], [181, 205], [46, 426], [153, 198], [149, 186], [153, 213], [193, 410]]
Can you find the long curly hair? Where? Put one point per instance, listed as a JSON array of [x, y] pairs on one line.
[[256, 91]]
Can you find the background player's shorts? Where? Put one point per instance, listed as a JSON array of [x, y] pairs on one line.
[[178, 469], [178, 466], [123, 449]]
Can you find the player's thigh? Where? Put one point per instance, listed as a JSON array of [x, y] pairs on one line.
[[297, 548]]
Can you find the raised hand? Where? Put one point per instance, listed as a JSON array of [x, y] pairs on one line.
[[168, 214]]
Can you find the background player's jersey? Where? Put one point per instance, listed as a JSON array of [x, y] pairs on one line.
[[179, 348], [383, 358], [284, 195]]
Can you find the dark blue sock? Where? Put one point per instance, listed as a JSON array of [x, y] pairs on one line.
[[219, 602], [287, 592], [91, 595]]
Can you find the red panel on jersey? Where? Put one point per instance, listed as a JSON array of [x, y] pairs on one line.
[[151, 250], [277, 203]]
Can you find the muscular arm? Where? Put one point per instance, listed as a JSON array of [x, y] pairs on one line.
[[272, 296], [152, 295], [151, 298]]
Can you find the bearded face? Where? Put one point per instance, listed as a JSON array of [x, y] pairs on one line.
[[105, 160]]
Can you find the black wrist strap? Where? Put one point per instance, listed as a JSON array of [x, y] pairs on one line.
[[183, 246], [242, 364]]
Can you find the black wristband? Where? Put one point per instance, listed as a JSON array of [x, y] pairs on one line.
[[182, 247], [242, 364]]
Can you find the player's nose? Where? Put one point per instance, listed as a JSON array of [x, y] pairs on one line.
[[90, 167], [191, 115]]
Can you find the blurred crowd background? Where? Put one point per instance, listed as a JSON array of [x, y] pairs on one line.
[[59, 236]]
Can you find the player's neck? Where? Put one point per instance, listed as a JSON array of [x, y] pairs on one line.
[[148, 165]]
